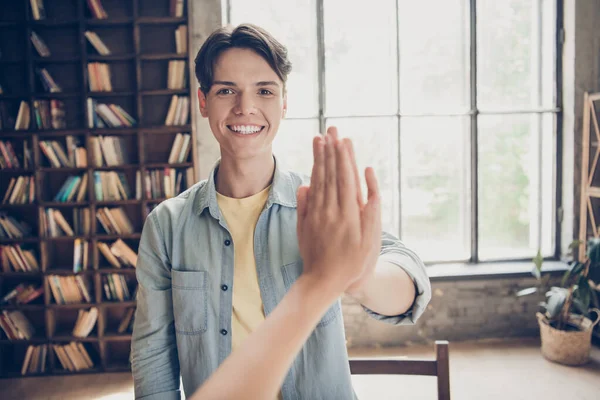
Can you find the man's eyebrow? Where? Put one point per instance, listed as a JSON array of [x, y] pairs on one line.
[[261, 83], [226, 83]]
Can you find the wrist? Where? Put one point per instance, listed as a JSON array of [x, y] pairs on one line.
[[314, 284]]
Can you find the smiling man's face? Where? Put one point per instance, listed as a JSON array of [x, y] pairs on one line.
[[245, 104]]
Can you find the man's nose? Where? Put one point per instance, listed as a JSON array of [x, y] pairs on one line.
[[245, 104]]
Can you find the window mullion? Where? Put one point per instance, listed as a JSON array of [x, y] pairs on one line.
[[473, 131], [321, 64]]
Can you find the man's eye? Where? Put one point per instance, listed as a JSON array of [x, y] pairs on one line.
[[265, 92], [224, 91]]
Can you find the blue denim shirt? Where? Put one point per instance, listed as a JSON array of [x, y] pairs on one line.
[[184, 301]]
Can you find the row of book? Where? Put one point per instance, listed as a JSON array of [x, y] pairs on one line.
[[102, 115], [49, 114], [38, 11], [118, 254], [179, 111], [54, 224], [176, 76], [40, 46], [73, 356], [74, 155], [9, 157], [81, 256], [69, 289], [35, 358], [116, 287], [167, 182], [109, 151], [12, 228], [48, 81], [86, 320], [181, 39], [96, 9], [176, 8], [19, 259], [97, 43], [180, 149], [73, 189], [99, 77], [21, 190], [22, 294], [114, 221], [113, 186], [15, 325]]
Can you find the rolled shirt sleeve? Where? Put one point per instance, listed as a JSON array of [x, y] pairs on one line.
[[395, 252]]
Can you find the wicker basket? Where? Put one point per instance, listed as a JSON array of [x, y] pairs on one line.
[[569, 348]]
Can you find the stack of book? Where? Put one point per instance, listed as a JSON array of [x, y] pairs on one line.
[[21, 260], [22, 294], [109, 151], [119, 254], [21, 190], [23, 117], [38, 11], [179, 111], [40, 45], [73, 356], [107, 115], [115, 287], [49, 114], [48, 82], [95, 7], [98, 44], [181, 39], [9, 158], [126, 324], [16, 325], [168, 182], [112, 186], [176, 76], [54, 224], [75, 187], [80, 255], [86, 320], [180, 149], [74, 155], [11, 228], [114, 221], [35, 359], [99, 77], [69, 289]]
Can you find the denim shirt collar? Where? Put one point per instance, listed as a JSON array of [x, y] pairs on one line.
[[282, 192]]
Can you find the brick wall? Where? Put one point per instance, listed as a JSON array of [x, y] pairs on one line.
[[459, 310]]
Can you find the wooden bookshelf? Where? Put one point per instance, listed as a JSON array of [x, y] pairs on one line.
[[141, 37]]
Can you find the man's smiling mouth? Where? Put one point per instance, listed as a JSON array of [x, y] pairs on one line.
[[246, 129]]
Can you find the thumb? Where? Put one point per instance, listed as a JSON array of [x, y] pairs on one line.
[[302, 196], [371, 215]]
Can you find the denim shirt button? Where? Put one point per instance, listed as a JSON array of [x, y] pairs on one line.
[[223, 332], [227, 242], [224, 288]]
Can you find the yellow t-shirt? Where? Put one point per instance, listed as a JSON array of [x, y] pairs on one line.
[[241, 216]]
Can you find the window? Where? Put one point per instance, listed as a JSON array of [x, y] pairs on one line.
[[454, 106]]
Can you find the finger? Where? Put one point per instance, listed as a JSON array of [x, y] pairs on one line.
[[345, 180], [331, 194], [317, 181], [371, 221], [333, 132], [359, 195]]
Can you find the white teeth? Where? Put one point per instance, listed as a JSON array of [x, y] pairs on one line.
[[245, 129]]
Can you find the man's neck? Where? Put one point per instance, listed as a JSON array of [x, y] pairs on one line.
[[243, 178]]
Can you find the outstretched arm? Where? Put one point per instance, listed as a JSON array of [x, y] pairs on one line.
[[335, 238]]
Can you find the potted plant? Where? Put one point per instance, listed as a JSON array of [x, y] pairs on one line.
[[565, 319]]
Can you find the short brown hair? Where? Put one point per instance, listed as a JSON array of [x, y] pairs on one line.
[[246, 36]]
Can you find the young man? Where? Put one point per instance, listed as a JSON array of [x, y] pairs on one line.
[[217, 259]]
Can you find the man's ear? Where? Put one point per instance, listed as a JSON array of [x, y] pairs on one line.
[[284, 106], [202, 103]]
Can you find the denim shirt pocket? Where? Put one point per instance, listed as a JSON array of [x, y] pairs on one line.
[[190, 296], [290, 273]]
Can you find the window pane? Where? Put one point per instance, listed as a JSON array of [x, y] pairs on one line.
[[435, 178], [509, 185], [376, 145], [434, 56], [294, 24], [506, 69], [293, 144], [547, 184], [360, 58], [547, 42]]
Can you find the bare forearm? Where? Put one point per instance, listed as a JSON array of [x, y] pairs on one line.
[[261, 363], [390, 290]]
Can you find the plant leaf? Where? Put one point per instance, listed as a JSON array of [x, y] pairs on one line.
[[538, 260], [575, 269], [593, 250], [555, 301], [527, 291]]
